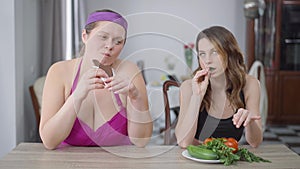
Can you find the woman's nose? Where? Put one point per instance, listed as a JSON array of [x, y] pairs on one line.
[[109, 45], [207, 59]]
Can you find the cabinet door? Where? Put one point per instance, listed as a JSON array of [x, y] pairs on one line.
[[272, 86], [289, 97]]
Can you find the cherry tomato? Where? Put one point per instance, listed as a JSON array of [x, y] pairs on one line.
[[208, 140], [231, 142]]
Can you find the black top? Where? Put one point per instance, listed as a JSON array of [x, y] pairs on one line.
[[209, 126]]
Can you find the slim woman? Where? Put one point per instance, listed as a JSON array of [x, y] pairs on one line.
[[221, 100]]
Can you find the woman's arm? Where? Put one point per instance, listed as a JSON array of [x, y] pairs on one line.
[[140, 123], [57, 115], [130, 83], [254, 135], [58, 110], [191, 95], [188, 116], [251, 115]]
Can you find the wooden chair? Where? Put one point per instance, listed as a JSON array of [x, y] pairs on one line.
[[36, 91], [168, 126], [35, 104]]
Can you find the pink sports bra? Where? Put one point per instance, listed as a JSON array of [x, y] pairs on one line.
[[112, 133]]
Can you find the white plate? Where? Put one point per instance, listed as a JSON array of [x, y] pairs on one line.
[[186, 154]]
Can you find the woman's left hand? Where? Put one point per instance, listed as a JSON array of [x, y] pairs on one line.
[[121, 85], [244, 116]]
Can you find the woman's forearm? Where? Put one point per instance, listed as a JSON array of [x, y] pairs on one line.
[[58, 127], [187, 123], [140, 131], [140, 123], [253, 134]]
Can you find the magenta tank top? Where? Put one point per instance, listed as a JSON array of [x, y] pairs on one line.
[[112, 133]]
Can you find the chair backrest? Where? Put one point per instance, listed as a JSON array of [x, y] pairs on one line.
[[36, 92], [141, 66], [167, 84]]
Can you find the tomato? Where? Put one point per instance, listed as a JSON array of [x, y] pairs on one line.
[[208, 140], [231, 142]]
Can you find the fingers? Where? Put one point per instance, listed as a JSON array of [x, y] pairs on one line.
[[200, 82], [114, 85], [244, 117], [239, 117], [96, 83], [98, 73], [93, 79], [121, 85], [117, 85], [98, 79], [96, 86], [200, 75]]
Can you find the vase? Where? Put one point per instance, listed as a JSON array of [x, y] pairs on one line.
[[189, 57]]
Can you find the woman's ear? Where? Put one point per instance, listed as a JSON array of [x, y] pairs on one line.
[[84, 36]]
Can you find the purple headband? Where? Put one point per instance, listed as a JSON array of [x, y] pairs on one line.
[[107, 16]]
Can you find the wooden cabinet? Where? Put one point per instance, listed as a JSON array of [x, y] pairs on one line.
[[277, 45], [284, 97], [289, 97]]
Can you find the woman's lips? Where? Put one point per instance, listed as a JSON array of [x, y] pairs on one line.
[[211, 69], [106, 54]]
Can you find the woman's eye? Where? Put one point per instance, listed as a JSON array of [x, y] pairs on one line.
[[118, 42], [214, 52], [201, 54], [103, 37]]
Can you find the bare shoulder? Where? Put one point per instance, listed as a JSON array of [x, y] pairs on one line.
[[126, 66], [62, 66], [186, 87], [62, 71], [186, 84]]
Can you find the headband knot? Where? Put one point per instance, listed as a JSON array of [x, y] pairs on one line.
[[107, 16]]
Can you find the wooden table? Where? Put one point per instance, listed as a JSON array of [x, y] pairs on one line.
[[34, 155]]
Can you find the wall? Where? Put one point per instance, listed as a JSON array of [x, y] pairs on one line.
[[19, 69], [27, 59], [28, 54], [159, 29], [8, 78]]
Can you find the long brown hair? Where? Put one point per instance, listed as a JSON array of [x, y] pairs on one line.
[[235, 68]]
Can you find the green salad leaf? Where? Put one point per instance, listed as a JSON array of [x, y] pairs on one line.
[[226, 154]]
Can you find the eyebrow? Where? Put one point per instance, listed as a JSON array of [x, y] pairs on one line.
[[208, 50], [115, 38]]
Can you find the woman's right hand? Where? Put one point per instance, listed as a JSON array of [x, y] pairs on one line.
[[200, 82], [90, 80]]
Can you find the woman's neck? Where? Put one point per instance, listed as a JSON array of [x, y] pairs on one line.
[[86, 64], [219, 105], [218, 83]]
